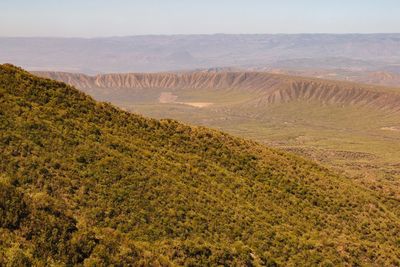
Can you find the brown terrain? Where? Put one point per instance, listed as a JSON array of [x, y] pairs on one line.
[[270, 88], [383, 78], [380, 77]]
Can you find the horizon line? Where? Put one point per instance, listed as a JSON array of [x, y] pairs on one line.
[[196, 34]]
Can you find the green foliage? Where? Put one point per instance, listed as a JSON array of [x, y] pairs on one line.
[[92, 185], [12, 206]]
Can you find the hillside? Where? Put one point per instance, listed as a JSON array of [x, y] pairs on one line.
[[268, 88], [351, 127], [85, 183], [382, 78]]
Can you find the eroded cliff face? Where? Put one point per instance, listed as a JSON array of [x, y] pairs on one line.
[[267, 88]]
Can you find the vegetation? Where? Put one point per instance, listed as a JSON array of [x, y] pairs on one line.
[[362, 142], [84, 183], [352, 128]]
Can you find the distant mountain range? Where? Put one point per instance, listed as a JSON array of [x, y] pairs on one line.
[[370, 52]]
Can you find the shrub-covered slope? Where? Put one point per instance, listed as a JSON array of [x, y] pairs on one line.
[[84, 183]]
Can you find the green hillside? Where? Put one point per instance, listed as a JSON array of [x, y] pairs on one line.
[[84, 183], [349, 127]]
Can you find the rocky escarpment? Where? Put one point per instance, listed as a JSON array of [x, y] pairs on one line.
[[267, 88], [333, 93]]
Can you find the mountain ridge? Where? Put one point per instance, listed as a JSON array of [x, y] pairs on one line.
[[162, 52], [269, 88]]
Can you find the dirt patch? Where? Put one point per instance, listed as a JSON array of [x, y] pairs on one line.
[[393, 128], [196, 104], [170, 98], [167, 97]]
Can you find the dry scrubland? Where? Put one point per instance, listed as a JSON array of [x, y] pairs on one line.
[[342, 125], [85, 183]]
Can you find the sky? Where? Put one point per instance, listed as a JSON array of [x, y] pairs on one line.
[[100, 18]]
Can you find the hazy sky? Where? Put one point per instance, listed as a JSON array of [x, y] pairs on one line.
[[89, 18]]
